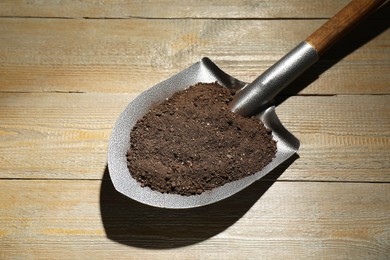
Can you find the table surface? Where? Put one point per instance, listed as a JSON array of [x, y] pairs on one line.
[[67, 70]]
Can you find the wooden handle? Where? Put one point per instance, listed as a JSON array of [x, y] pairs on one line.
[[341, 23]]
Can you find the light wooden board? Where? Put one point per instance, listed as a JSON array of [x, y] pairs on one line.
[[172, 8], [57, 201], [128, 56], [82, 219], [57, 135]]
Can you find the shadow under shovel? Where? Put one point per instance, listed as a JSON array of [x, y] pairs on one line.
[[131, 223]]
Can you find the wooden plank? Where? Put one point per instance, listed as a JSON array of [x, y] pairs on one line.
[[340, 135], [49, 55], [172, 9], [56, 135], [294, 220]]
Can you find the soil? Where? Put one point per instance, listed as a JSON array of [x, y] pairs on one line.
[[192, 143]]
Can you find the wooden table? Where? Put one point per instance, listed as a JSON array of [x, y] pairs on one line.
[[67, 70]]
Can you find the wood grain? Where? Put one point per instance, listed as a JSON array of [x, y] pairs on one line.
[[56, 135], [83, 219], [55, 55], [67, 70], [338, 26], [172, 9]]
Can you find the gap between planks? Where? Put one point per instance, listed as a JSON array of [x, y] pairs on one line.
[[264, 179], [168, 18]]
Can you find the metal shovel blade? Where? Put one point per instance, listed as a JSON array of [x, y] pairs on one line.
[[203, 71]]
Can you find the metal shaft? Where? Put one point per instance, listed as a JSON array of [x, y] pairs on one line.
[[257, 95]]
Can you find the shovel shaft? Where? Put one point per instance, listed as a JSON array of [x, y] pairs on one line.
[[335, 28], [256, 96]]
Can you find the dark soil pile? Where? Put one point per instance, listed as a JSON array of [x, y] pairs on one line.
[[192, 142]]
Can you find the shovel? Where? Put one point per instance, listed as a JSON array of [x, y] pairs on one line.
[[252, 99]]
